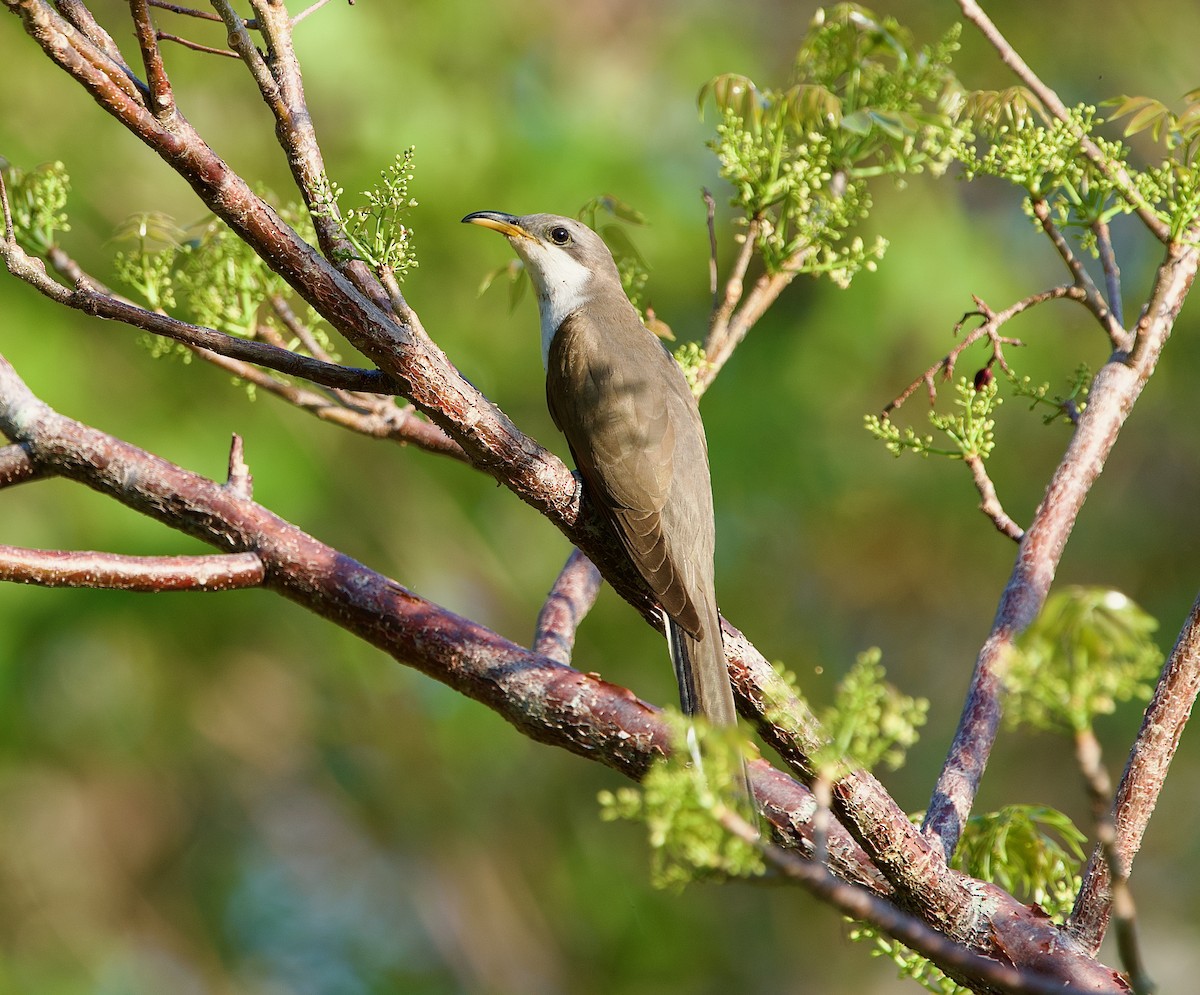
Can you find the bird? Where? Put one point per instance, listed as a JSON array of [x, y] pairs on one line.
[[634, 430]]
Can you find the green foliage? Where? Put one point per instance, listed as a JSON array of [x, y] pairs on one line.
[[1033, 852], [1178, 132], [38, 200], [969, 430], [1068, 406], [1048, 162], [1088, 649], [864, 102], [692, 359], [870, 722], [909, 964], [376, 229], [1008, 136], [212, 278], [677, 803]]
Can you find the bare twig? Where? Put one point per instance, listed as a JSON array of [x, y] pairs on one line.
[[308, 11], [239, 478], [162, 99], [1114, 392], [989, 328], [1145, 772], [1112, 272], [147, 574], [989, 503], [710, 211], [379, 418], [279, 80], [570, 599], [86, 298], [1112, 171], [195, 46], [174, 8], [1092, 297]]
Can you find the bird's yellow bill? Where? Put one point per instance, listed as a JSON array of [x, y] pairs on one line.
[[506, 224]]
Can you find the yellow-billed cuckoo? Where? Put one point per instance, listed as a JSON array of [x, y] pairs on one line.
[[635, 433]]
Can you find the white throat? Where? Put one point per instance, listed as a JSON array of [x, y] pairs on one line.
[[560, 282]]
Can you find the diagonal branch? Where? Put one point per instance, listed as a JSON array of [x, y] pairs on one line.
[[859, 904], [162, 97], [1114, 392], [277, 75], [1112, 171], [86, 298], [1145, 772], [1092, 297], [989, 501], [545, 700]]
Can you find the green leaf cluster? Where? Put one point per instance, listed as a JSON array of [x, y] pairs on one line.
[[1068, 406], [677, 802], [1089, 649], [212, 278], [864, 102], [693, 360], [38, 200], [1033, 852], [1178, 132], [870, 721], [376, 229], [1008, 135], [970, 430]]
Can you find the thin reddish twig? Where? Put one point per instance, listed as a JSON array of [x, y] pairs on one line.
[[113, 571]]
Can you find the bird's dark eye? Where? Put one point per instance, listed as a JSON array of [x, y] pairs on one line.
[[560, 235]]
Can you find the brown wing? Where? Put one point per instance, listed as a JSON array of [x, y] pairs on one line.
[[635, 433]]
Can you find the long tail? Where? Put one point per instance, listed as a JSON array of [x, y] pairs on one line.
[[704, 690], [699, 664]]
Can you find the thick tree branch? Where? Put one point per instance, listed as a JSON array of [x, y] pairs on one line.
[[956, 960], [1114, 392], [545, 700], [1145, 773]]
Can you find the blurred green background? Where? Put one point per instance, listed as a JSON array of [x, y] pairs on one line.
[[223, 794]]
